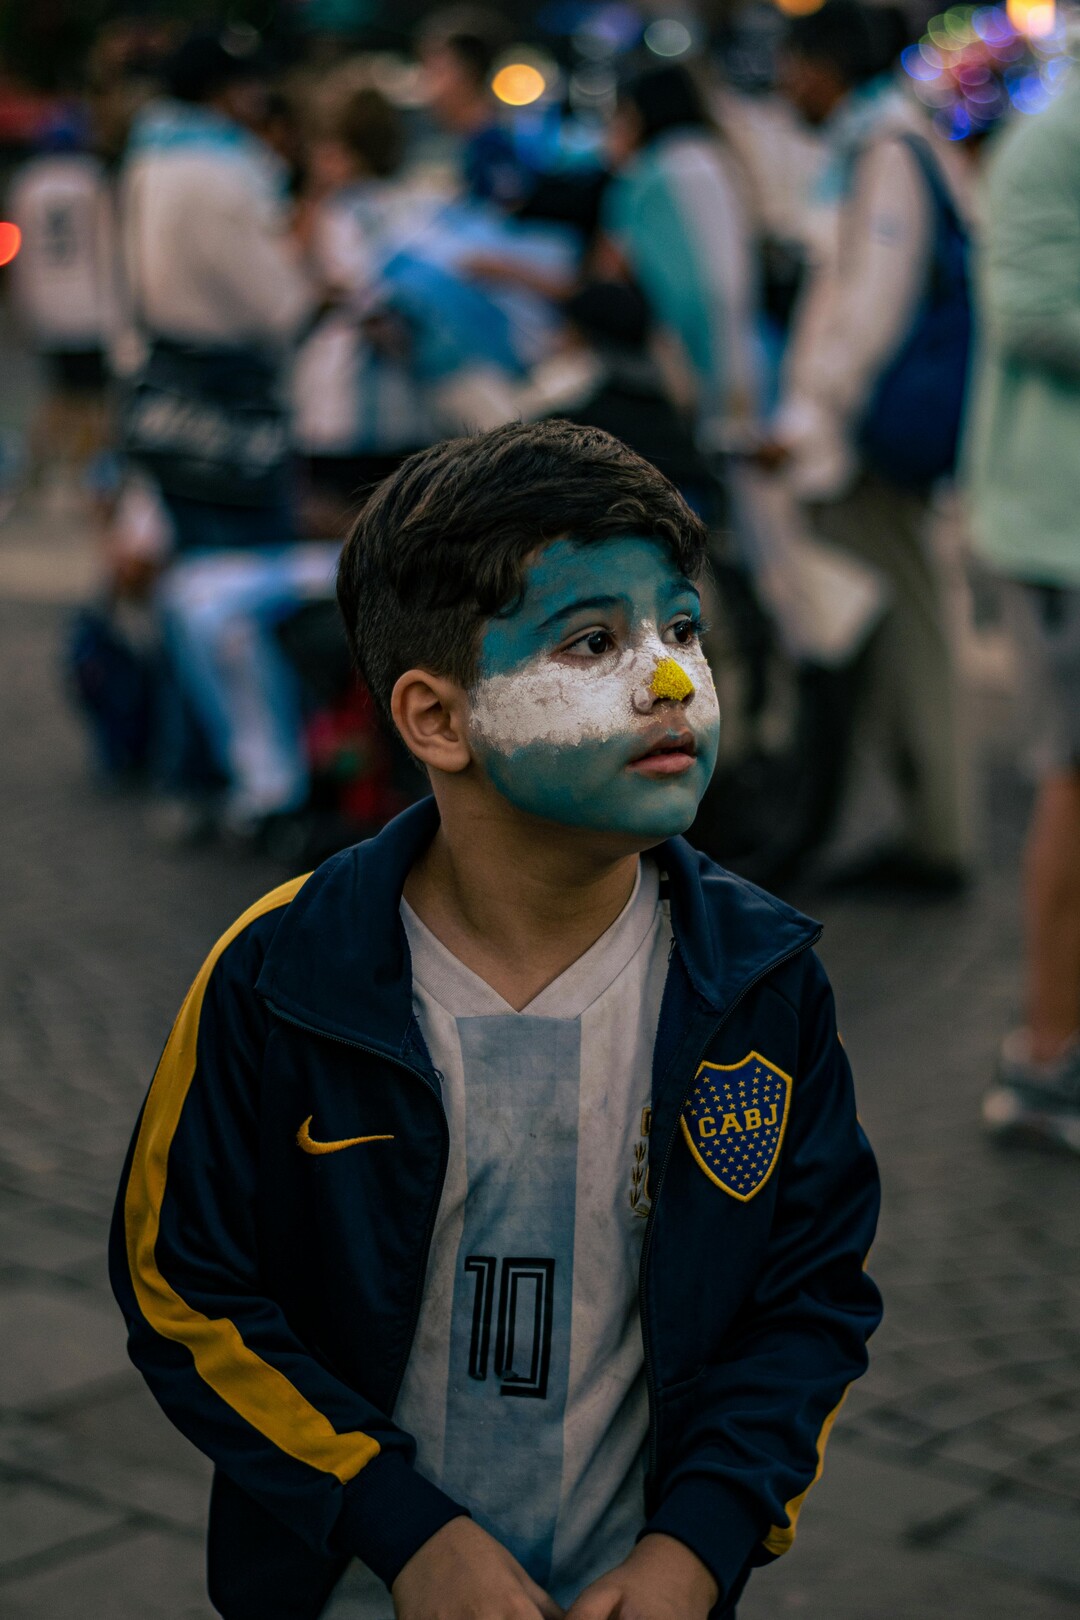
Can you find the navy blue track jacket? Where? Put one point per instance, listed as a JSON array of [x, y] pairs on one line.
[[272, 1292]]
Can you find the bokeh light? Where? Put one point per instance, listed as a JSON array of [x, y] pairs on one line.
[[518, 84], [667, 36], [799, 8], [975, 63], [10, 241], [1035, 18]]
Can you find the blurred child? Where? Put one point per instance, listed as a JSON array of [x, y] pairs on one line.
[[357, 410]]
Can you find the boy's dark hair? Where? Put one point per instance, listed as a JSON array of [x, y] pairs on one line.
[[442, 543]]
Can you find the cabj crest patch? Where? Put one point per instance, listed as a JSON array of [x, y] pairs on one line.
[[734, 1122]]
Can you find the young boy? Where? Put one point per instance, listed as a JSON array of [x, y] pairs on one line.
[[498, 1212]]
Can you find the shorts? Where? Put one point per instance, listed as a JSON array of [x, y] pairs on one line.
[[1045, 621]]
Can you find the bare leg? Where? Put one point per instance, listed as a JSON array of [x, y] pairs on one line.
[[1052, 916]]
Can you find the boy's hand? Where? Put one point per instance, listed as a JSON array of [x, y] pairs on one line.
[[462, 1573], [661, 1580]]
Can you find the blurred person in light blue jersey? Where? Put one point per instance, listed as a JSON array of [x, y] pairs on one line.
[[357, 405], [870, 405], [218, 296], [675, 212], [1024, 486]]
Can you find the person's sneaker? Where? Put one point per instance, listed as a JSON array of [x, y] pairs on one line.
[[1040, 1100]]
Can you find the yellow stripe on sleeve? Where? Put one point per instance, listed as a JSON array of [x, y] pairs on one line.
[[260, 1394], [780, 1537]]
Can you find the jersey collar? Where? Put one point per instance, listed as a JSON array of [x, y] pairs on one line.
[[339, 961]]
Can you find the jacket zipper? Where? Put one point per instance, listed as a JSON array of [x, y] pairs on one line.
[[444, 1154], [417, 1074], [650, 1382]]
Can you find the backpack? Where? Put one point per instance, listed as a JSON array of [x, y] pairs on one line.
[[910, 431]]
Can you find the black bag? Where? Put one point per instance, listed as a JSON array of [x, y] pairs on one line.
[[911, 430], [207, 423]]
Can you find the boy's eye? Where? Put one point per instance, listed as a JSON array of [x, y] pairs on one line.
[[685, 631], [593, 645]]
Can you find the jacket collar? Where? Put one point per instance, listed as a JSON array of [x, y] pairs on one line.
[[339, 961]]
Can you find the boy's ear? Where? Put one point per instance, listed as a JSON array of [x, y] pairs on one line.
[[430, 713]]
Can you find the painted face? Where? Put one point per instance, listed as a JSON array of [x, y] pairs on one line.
[[595, 706]]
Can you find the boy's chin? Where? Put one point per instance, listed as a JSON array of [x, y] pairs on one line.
[[639, 815]]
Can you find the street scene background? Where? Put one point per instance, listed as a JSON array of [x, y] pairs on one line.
[[952, 1481]]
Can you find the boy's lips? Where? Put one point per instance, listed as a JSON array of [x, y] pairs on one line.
[[665, 753]]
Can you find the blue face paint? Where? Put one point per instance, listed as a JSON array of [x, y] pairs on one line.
[[566, 705]]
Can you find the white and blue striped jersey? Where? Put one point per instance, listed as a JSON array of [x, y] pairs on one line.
[[525, 1388]]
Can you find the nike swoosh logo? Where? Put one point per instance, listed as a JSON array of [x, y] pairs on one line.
[[306, 1141]]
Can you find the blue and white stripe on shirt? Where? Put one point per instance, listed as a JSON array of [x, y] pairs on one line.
[[525, 1388]]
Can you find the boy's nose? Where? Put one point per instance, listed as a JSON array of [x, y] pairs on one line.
[[669, 680]]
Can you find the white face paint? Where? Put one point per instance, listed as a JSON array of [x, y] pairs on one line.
[[575, 718], [583, 700]]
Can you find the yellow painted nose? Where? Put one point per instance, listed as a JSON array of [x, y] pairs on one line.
[[670, 680]]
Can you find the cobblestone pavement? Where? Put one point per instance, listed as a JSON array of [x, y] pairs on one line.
[[952, 1486]]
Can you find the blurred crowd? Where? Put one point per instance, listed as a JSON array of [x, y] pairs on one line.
[[766, 259]]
